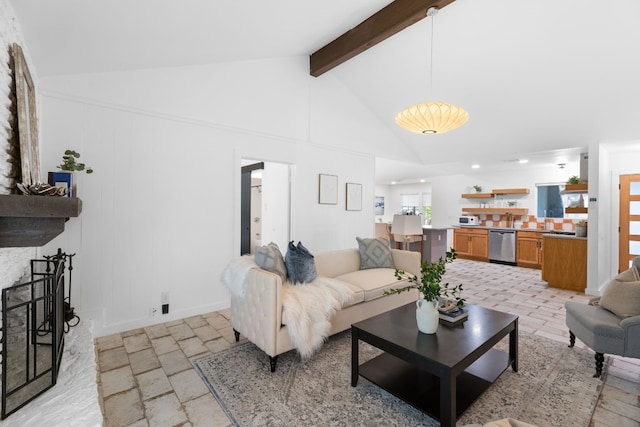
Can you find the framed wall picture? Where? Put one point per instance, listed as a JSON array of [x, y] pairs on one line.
[[378, 207], [354, 197], [328, 190], [27, 119]]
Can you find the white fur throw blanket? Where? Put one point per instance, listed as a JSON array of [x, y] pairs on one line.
[[306, 308], [235, 273]]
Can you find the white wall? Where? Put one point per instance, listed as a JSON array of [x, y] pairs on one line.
[[613, 160], [161, 211]]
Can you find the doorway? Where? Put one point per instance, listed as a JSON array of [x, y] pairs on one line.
[[629, 220], [265, 204], [250, 206]]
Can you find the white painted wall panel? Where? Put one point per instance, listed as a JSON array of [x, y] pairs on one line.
[[161, 211]]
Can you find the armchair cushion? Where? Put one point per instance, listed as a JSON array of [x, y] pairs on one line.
[[622, 294]]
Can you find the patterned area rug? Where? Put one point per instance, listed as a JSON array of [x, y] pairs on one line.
[[553, 387]]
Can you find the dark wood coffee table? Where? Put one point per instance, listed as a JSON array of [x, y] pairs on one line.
[[440, 374]]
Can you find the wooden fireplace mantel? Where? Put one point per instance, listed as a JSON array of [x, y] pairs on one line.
[[28, 221]]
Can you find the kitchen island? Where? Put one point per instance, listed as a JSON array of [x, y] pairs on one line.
[[564, 263]]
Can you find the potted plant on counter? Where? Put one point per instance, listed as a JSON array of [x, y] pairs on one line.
[[433, 292]]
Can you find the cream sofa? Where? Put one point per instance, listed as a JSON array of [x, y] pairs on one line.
[[258, 314]]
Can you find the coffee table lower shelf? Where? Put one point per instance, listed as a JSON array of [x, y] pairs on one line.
[[422, 389]]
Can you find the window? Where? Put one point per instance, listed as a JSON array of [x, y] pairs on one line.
[[417, 204], [550, 204], [410, 204]]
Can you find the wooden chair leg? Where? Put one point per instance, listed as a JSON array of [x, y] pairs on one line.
[[599, 363], [572, 339]]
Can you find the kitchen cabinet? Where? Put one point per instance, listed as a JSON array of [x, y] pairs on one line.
[[564, 262], [529, 249], [471, 243]]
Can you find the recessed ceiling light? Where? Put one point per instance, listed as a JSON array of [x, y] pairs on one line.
[[393, 183], [475, 166], [423, 180], [523, 161]]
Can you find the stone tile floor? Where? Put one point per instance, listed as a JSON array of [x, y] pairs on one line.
[[146, 377]]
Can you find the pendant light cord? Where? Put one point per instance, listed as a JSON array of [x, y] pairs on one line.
[[431, 61], [431, 12]]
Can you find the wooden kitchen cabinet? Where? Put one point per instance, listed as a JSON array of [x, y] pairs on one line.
[[471, 243], [565, 262], [529, 249]]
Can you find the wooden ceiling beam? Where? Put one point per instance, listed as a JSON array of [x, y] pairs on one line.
[[391, 19]]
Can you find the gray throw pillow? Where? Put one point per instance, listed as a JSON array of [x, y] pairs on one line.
[[270, 258], [301, 265], [374, 253], [622, 294]]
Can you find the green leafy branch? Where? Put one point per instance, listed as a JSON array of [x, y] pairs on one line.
[[429, 283], [70, 163]]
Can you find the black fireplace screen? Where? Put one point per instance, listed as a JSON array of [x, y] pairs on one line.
[[33, 315]]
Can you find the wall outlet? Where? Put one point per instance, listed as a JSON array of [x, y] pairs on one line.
[[165, 308], [164, 297], [153, 311]]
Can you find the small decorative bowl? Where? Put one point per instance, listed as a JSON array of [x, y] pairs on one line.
[[41, 189]]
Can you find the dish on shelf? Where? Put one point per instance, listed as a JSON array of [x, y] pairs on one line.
[[41, 189]]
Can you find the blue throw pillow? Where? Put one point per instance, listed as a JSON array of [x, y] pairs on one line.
[[301, 266]]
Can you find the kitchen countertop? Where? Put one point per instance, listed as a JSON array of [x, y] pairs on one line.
[[563, 236], [435, 227], [483, 227], [544, 232]]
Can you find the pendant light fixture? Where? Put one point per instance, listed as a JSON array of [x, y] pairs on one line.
[[432, 117]]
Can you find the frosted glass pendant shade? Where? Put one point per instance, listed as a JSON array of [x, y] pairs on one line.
[[432, 117]]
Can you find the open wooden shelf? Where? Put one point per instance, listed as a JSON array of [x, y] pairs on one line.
[[576, 210], [514, 211], [575, 188], [478, 196], [511, 191]]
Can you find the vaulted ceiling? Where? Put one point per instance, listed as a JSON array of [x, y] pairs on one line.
[[541, 80]]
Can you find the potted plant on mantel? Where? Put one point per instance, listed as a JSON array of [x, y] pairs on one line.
[[68, 166], [430, 287]]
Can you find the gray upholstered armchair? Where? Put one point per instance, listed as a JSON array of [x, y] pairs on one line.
[[609, 324]]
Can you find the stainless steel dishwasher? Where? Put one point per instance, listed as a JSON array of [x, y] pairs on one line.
[[502, 246]]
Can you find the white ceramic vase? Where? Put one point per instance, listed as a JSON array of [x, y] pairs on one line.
[[427, 316]]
